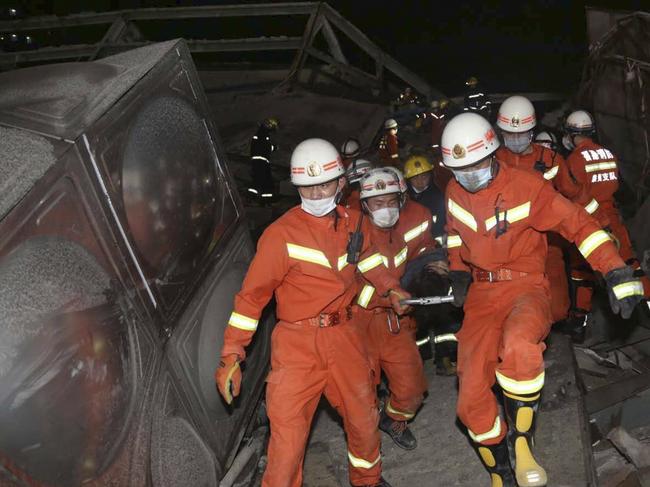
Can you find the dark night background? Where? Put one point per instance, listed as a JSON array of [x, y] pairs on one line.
[[511, 46]]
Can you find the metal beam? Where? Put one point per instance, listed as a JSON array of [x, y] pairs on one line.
[[612, 394], [252, 10], [375, 51], [86, 50], [333, 42], [346, 68], [113, 35]]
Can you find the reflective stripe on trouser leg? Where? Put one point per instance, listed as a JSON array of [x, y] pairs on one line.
[[351, 391], [478, 345], [521, 370]]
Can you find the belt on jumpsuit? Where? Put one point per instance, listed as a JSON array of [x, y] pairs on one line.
[[498, 275], [326, 320]]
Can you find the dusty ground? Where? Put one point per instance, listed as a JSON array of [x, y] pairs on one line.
[[443, 457]]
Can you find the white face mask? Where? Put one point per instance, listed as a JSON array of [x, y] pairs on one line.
[[475, 180], [418, 191], [567, 142], [385, 217], [319, 207], [518, 143]]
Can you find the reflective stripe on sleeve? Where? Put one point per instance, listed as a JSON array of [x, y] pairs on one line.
[[401, 257], [512, 215], [462, 214], [343, 261], [361, 463], [308, 255], [371, 262], [365, 295], [551, 173], [627, 289], [592, 206], [416, 231], [493, 433], [600, 166], [242, 322], [454, 241], [592, 242], [521, 386]]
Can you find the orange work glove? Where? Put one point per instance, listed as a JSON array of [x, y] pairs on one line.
[[228, 377], [395, 296]]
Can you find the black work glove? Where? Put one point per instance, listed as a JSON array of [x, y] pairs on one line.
[[460, 281], [625, 291]]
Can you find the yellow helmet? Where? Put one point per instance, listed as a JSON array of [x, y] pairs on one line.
[[415, 166], [443, 103], [271, 123], [472, 81]]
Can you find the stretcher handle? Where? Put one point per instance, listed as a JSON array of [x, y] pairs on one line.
[[427, 301]]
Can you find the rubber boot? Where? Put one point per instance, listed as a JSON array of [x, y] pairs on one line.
[[398, 431], [521, 411], [497, 462]]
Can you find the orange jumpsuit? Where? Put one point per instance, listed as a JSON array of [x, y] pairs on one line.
[[318, 346], [353, 200], [595, 169], [391, 345], [552, 167], [507, 311], [389, 150]]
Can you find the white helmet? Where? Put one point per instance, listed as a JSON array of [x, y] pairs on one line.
[[400, 176], [547, 139], [357, 169], [350, 148], [381, 181], [467, 139], [391, 123], [579, 122], [315, 161], [516, 114]]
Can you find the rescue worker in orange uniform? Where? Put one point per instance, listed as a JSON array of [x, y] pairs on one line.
[[400, 232], [438, 117], [350, 150], [318, 344], [596, 170], [353, 174], [389, 145], [496, 216], [516, 119]]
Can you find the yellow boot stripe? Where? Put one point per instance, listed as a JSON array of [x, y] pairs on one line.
[[527, 470], [487, 457], [496, 480], [524, 419]]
